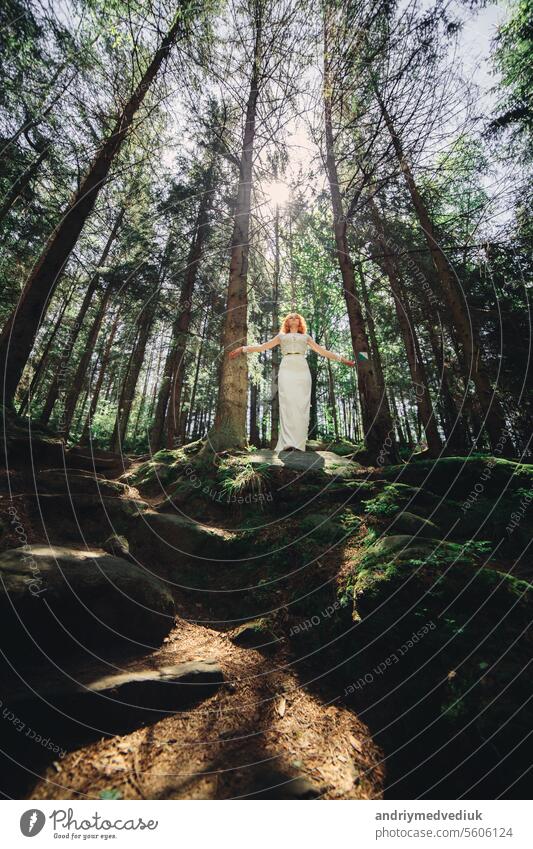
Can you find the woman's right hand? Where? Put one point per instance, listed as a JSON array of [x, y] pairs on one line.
[[235, 353]]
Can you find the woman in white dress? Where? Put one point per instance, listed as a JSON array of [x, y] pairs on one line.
[[294, 379]]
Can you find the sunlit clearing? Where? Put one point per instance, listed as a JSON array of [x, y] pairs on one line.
[[276, 193]]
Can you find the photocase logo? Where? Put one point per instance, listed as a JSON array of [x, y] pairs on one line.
[[31, 822]]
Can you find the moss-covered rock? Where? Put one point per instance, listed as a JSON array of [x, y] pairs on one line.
[[65, 600], [409, 523], [176, 547], [458, 477], [438, 642], [76, 482], [80, 518], [322, 527], [153, 476], [256, 634]]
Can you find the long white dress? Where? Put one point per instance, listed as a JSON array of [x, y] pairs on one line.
[[294, 391]]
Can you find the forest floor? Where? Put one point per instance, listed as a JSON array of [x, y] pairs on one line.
[[261, 734], [261, 589]]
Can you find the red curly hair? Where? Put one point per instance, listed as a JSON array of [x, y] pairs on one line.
[[302, 327]]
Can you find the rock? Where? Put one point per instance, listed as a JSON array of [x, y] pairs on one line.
[[456, 477], [406, 522], [77, 482], [68, 599], [312, 461], [269, 783], [154, 476], [174, 546], [97, 460], [118, 546], [255, 634], [407, 549], [26, 443], [442, 642], [303, 788], [33, 452], [80, 518], [162, 690], [189, 500], [58, 713], [322, 527]]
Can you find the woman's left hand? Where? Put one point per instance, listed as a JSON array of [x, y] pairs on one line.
[[349, 362]]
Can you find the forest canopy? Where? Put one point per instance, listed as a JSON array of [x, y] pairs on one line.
[[176, 177]]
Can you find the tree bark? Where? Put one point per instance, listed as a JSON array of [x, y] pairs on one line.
[[417, 368], [229, 428], [101, 374], [377, 422], [274, 407], [131, 377], [83, 365], [169, 397]]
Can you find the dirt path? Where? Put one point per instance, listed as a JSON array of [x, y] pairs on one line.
[[261, 732]]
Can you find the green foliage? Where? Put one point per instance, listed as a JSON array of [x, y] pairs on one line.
[[113, 793], [238, 480], [514, 48], [385, 503]]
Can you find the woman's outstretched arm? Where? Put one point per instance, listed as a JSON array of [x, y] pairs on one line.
[[329, 354], [251, 349]]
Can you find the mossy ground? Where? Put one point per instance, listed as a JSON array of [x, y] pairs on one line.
[[345, 565]]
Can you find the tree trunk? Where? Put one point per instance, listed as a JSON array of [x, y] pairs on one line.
[[27, 396], [54, 389], [369, 319], [401, 438], [83, 365], [333, 401], [101, 374], [274, 409], [18, 335], [454, 425], [153, 399], [377, 423], [494, 420], [417, 368], [254, 424], [182, 420], [406, 422], [169, 397], [131, 377], [229, 429]]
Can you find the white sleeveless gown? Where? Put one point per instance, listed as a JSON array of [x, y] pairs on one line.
[[294, 392]]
